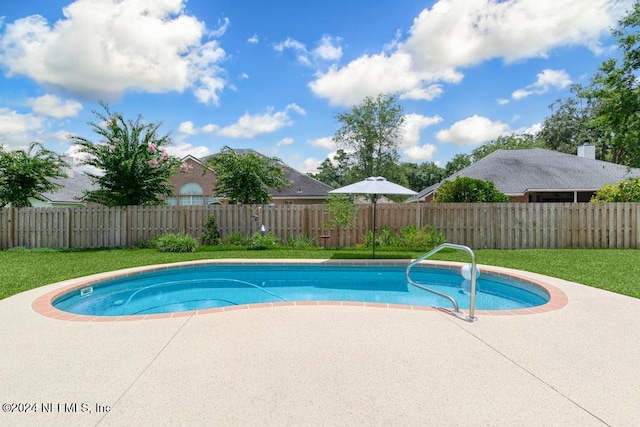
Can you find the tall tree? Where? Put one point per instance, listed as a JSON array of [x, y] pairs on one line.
[[421, 176], [570, 124], [28, 174], [247, 177], [615, 94], [335, 172], [457, 163], [506, 142], [135, 166], [370, 133]]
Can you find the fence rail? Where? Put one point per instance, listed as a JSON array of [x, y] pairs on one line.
[[490, 226]]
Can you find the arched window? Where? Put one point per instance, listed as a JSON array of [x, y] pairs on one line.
[[190, 194]]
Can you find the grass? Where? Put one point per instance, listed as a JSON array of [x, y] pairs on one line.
[[615, 270]]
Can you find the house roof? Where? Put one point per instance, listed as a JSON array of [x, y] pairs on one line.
[[302, 186], [73, 188], [516, 172]]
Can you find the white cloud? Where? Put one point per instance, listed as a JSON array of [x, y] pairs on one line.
[[188, 128], [368, 76], [328, 49], [210, 128], [428, 93], [547, 79], [295, 107], [284, 141], [502, 101], [102, 48], [531, 130], [299, 48], [53, 106], [325, 142], [18, 130], [413, 125], [253, 39], [182, 149], [420, 152], [310, 165], [251, 125], [455, 34], [472, 131]]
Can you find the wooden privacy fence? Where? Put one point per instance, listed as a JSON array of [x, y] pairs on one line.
[[480, 226]]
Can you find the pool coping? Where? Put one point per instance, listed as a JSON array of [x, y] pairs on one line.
[[43, 304]]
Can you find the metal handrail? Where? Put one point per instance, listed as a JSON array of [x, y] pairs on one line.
[[472, 294]]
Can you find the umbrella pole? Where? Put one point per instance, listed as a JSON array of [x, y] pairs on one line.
[[373, 244]]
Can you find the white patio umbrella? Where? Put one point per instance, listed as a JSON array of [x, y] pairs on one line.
[[374, 186]]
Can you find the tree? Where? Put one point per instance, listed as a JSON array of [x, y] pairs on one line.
[[615, 94], [423, 175], [136, 167], [457, 163], [570, 124], [510, 142], [342, 212], [335, 172], [247, 177], [370, 133], [28, 174], [469, 190]]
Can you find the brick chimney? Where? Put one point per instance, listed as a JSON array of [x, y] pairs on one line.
[[587, 151]]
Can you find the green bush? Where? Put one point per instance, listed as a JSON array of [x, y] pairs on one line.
[[410, 237], [302, 242], [623, 191], [425, 237], [469, 190], [258, 241], [236, 239], [176, 242], [210, 235]]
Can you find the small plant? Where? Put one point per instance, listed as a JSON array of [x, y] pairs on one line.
[[302, 242], [425, 237], [236, 239], [176, 242], [383, 238], [210, 235], [258, 241]]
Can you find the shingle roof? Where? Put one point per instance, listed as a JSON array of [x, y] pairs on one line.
[[73, 188], [515, 172]]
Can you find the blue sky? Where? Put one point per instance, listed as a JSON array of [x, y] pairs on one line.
[[272, 75]]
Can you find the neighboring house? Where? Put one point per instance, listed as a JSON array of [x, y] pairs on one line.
[[537, 175], [70, 195], [195, 186]]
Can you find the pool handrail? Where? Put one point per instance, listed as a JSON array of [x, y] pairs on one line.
[[472, 293]]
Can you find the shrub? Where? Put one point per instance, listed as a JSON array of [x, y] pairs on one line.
[[623, 191], [302, 242], [425, 237], [236, 239], [258, 241], [176, 242], [469, 190], [210, 235]]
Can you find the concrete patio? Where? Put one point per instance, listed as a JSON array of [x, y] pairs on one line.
[[326, 365]]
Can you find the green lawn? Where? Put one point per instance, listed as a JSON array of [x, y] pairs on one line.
[[617, 270]]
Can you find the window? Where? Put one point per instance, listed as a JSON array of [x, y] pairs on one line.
[[190, 195]]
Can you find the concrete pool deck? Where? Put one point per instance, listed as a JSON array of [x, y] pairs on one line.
[[326, 365]]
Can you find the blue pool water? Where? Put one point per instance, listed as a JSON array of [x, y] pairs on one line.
[[201, 287]]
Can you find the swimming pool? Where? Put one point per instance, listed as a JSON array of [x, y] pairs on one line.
[[200, 287]]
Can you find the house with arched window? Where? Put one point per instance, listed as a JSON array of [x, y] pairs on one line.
[[195, 187]]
